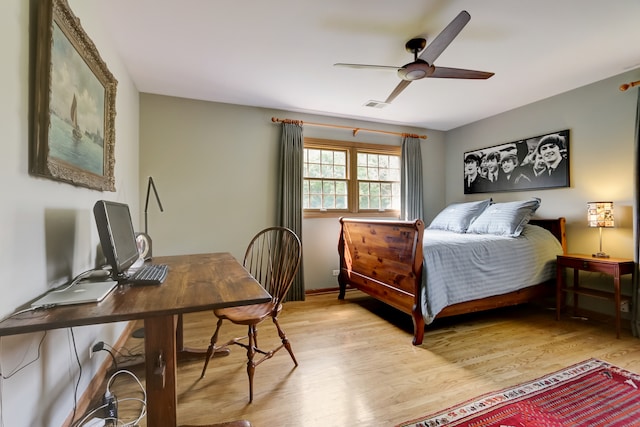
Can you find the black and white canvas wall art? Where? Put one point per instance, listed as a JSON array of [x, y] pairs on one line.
[[537, 162]]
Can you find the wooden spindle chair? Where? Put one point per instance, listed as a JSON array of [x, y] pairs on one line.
[[273, 258]]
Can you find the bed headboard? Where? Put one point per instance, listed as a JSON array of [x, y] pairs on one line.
[[556, 227]]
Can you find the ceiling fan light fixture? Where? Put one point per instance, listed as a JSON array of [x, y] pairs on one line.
[[414, 74], [416, 71]]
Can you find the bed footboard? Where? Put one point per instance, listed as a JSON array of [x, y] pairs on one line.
[[383, 258]]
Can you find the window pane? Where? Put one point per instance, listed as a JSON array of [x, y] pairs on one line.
[[315, 201], [362, 172], [328, 202], [383, 161], [327, 171], [364, 202], [372, 174], [313, 156], [314, 171], [327, 157], [328, 187], [315, 187]]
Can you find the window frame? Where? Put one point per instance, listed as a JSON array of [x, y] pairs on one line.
[[352, 148]]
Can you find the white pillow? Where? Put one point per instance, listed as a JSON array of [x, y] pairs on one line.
[[457, 216], [505, 219]]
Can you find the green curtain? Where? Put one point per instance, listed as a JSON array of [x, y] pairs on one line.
[[411, 200], [635, 296], [290, 192]]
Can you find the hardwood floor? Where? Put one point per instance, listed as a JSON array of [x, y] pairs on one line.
[[358, 367]]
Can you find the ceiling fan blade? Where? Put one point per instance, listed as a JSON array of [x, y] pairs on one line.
[[378, 67], [459, 73], [401, 86], [446, 36]]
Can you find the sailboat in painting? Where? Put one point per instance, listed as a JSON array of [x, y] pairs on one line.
[[77, 134]]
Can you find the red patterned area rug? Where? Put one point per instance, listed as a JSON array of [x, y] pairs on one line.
[[592, 393]]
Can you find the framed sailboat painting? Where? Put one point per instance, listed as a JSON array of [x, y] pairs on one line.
[[73, 134]]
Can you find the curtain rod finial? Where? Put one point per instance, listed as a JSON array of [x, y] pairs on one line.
[[626, 86]]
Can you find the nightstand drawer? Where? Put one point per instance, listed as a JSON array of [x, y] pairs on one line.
[[587, 265]]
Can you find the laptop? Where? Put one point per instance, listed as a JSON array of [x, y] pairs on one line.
[[80, 293]]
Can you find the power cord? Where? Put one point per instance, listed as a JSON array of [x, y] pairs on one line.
[[16, 370], [100, 271], [126, 356], [110, 405], [99, 346], [75, 389]]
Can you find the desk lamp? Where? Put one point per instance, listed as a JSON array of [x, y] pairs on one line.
[[600, 214], [143, 239]]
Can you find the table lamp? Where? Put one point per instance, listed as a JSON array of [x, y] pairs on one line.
[[600, 214]]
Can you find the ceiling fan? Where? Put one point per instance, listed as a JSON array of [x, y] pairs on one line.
[[422, 65]]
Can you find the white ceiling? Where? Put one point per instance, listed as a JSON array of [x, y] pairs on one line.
[[279, 54]]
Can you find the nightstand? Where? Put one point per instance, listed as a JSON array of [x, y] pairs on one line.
[[615, 267]]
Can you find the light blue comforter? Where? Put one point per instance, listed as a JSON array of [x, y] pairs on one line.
[[462, 267]]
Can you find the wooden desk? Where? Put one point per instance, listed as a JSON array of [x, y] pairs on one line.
[[194, 283]]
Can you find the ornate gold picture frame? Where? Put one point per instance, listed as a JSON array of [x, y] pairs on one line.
[[74, 109]]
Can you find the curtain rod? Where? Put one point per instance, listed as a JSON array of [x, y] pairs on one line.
[[629, 85], [354, 129]]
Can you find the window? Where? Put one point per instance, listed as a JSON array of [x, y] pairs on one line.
[[330, 186]]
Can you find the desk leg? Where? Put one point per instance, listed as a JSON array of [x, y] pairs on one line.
[[160, 368]]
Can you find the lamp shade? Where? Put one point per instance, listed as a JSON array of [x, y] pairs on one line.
[[600, 214]]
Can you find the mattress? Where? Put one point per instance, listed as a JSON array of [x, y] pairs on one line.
[[461, 267]]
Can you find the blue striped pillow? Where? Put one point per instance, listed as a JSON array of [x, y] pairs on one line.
[[457, 216], [505, 219]]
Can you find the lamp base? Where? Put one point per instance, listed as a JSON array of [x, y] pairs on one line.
[[600, 255]]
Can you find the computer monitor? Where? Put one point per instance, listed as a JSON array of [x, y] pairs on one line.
[[117, 237]]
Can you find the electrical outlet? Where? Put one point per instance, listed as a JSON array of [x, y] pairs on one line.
[[95, 346], [624, 306], [336, 272]]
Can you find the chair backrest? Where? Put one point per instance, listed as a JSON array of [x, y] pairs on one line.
[[273, 258]]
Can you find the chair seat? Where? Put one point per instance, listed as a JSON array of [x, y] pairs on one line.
[[247, 314]]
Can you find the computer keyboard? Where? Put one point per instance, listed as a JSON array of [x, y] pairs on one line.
[[149, 274]]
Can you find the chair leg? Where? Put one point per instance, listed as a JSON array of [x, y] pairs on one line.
[[211, 348], [251, 367], [285, 340]]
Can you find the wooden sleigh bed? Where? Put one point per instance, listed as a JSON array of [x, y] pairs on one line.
[[384, 259]]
